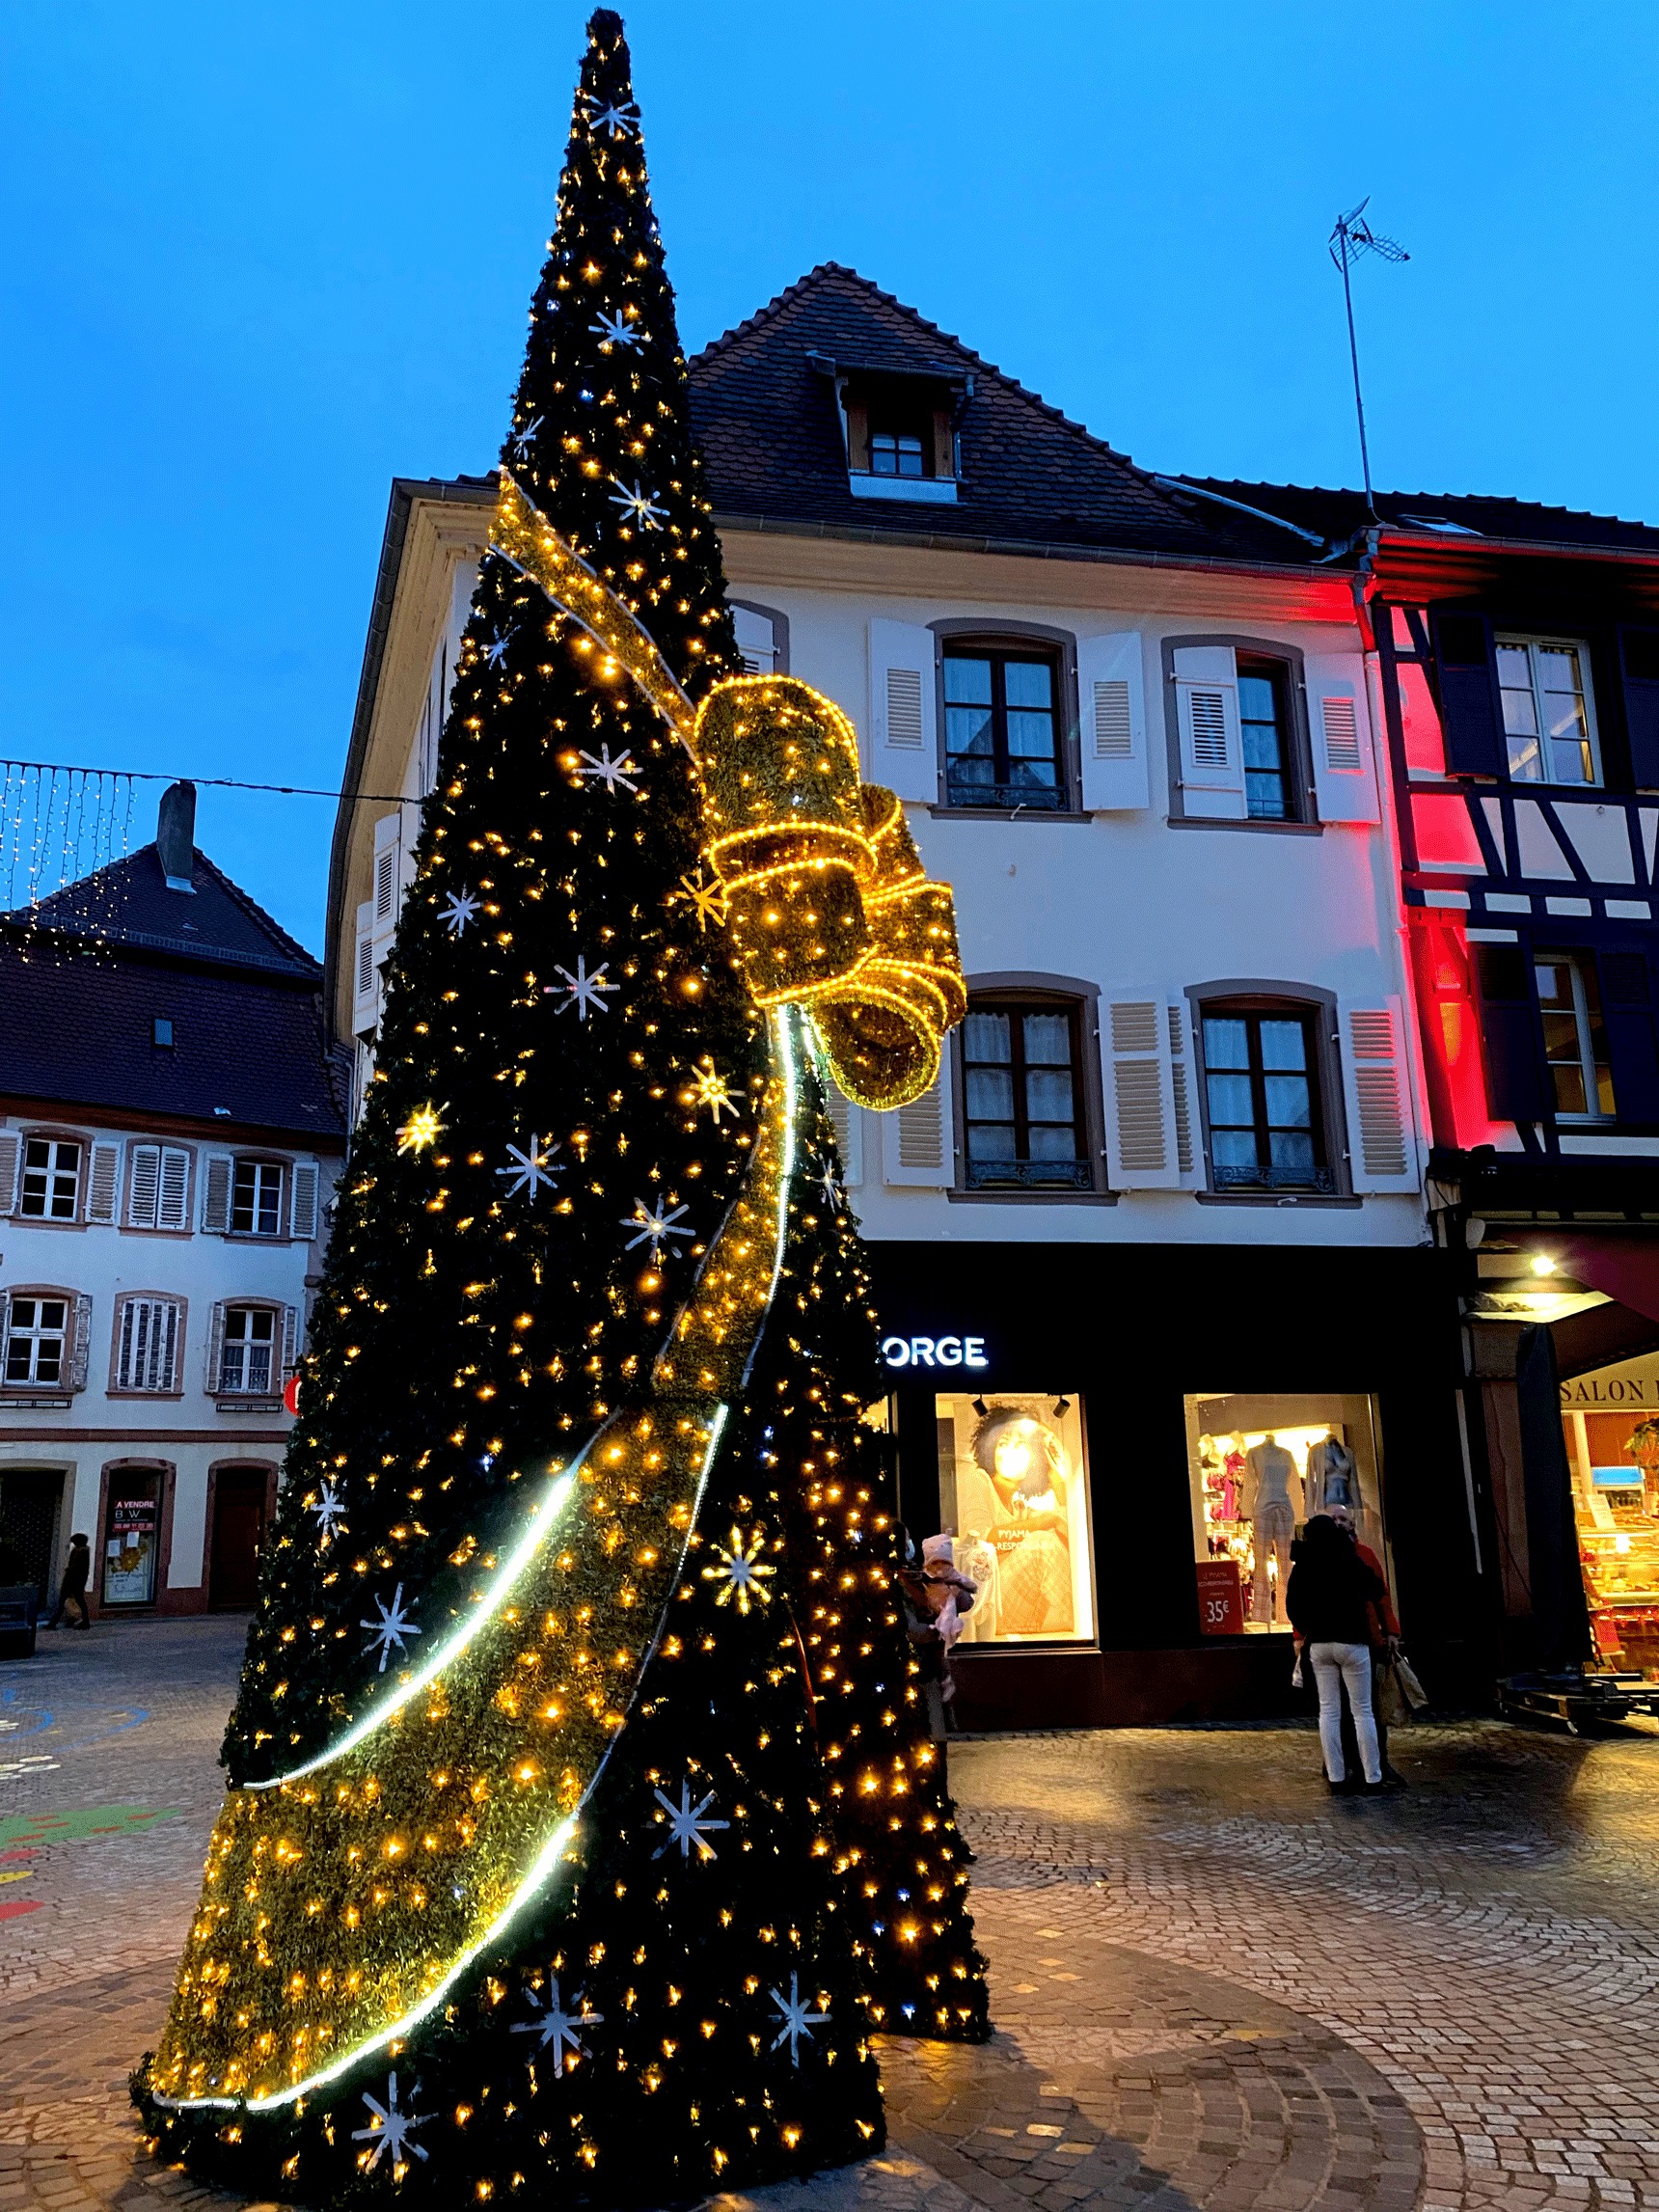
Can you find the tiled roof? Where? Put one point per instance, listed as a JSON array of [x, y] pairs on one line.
[[128, 903], [768, 427], [1338, 515], [79, 1030], [84, 974]]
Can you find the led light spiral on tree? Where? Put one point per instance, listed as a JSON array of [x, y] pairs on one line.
[[583, 1818]]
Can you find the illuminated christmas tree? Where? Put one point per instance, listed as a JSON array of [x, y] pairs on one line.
[[583, 1822]]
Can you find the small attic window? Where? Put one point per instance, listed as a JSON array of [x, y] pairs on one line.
[[161, 1030], [901, 437]]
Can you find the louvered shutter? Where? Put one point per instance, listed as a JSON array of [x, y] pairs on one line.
[[1111, 722], [1638, 664], [756, 640], [1142, 1145], [849, 1122], [103, 1183], [1627, 1012], [1339, 726], [290, 1322], [365, 1013], [1382, 1148], [302, 1219], [1211, 747], [903, 715], [80, 1352], [144, 1191], [216, 1194], [215, 1348], [1180, 1080], [917, 1140], [1468, 673], [11, 1152], [172, 1204]]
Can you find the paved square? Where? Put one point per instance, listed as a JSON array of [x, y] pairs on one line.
[[1214, 1985]]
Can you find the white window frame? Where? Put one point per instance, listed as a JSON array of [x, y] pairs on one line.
[[52, 1171], [272, 1385], [35, 1336], [260, 1167], [1531, 644], [1587, 1061], [160, 1312]]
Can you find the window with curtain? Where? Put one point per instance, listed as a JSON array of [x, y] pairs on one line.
[[1003, 728], [1023, 1097], [1262, 1095]]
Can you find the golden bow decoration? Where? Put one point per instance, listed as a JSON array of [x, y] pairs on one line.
[[828, 904]]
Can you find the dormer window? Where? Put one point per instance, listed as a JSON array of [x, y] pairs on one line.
[[901, 435]]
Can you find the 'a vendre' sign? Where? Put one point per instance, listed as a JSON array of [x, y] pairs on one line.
[[934, 1352]]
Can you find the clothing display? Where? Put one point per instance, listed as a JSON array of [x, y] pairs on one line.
[[1332, 1478], [1272, 1525], [1263, 1465], [1014, 1488]]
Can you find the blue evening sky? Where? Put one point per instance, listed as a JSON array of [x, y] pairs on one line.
[[259, 260]]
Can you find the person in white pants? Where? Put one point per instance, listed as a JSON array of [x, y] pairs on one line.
[[1334, 1664], [1330, 1591]]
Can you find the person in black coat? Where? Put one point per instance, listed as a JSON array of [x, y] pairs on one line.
[[1330, 1592], [72, 1589]]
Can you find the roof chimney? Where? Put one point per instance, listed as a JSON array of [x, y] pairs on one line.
[[175, 836]]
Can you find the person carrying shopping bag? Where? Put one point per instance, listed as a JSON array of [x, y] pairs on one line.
[[1329, 1591]]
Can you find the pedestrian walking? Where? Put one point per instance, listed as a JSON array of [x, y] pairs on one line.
[[72, 1589], [1330, 1589], [1385, 1649]]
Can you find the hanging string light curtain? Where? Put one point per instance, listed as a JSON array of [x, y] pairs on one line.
[[58, 827]]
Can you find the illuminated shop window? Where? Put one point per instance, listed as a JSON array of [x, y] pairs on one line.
[[1262, 1464], [1013, 1491], [1611, 1422]]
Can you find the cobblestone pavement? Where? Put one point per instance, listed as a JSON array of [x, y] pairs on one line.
[[1214, 1986]]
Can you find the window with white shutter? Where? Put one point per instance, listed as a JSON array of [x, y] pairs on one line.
[[904, 720], [365, 966], [248, 1346], [51, 1180], [849, 1125], [216, 1194], [1181, 1090], [148, 1342], [385, 884], [1142, 1143], [143, 1186], [917, 1140], [1382, 1145], [1112, 711], [83, 1341], [103, 1183], [1338, 723], [172, 1207], [1212, 745], [756, 640], [302, 1222], [10, 1151], [39, 1339]]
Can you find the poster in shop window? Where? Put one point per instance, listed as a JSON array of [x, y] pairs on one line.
[[1014, 1487], [130, 1550]]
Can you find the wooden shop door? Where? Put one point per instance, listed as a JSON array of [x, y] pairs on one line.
[[238, 1530]]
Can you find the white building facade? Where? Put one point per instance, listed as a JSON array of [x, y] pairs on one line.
[[171, 1129], [1158, 1237]]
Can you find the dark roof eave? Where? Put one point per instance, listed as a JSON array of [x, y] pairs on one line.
[[330, 1138], [1447, 543], [1020, 548]]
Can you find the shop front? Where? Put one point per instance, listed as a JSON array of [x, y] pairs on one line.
[[1609, 1422], [1124, 1441]]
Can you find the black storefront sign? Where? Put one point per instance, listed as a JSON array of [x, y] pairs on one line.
[[1046, 1375]]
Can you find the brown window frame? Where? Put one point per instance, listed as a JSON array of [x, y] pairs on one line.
[[1323, 1181], [1006, 797], [1022, 1173]]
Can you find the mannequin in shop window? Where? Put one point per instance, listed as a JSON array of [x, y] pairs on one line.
[[1333, 1479], [1273, 1505], [1025, 1463]]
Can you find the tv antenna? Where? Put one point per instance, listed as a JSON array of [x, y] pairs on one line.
[[1350, 241]]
